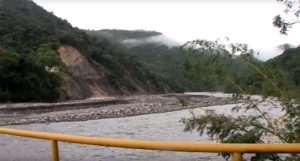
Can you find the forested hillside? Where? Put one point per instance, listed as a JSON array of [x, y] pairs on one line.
[[233, 68], [205, 66], [166, 62], [44, 58], [290, 62], [120, 35], [31, 67]]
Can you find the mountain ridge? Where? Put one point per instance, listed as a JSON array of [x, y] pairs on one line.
[[30, 32], [44, 58], [289, 61]]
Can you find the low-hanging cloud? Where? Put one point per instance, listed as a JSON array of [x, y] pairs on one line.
[[159, 39]]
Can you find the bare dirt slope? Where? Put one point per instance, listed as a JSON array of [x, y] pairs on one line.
[[84, 81]]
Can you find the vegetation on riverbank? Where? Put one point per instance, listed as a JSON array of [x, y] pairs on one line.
[[272, 81], [278, 77], [127, 61], [29, 34]]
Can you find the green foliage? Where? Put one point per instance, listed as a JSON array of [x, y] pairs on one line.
[[212, 66], [163, 62], [289, 61], [267, 80], [248, 129], [124, 70], [166, 62], [136, 59], [206, 65], [227, 129], [217, 69], [292, 11], [24, 26], [24, 77], [119, 35], [35, 35]]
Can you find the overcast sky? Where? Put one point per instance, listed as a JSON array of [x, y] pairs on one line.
[[245, 21]]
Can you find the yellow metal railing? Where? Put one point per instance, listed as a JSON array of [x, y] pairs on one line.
[[236, 150]]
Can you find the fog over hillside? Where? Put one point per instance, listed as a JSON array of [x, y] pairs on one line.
[[161, 39], [270, 52], [184, 20]]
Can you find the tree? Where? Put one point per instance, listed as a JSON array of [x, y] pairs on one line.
[[24, 76], [293, 10], [254, 128]]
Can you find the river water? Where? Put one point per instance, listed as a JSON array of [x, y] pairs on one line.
[[157, 127]]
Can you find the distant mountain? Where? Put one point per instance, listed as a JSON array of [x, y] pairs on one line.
[[43, 58], [25, 25], [121, 35], [290, 62], [283, 47], [132, 38], [286, 46], [269, 52], [203, 65], [156, 52]]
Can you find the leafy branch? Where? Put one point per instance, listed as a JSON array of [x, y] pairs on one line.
[[251, 128]]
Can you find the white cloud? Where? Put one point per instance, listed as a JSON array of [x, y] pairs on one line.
[[160, 39], [242, 21]]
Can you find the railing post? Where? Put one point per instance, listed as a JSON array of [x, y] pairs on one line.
[[54, 149], [237, 156]]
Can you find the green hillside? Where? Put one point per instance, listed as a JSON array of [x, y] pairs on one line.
[[119, 35], [206, 69], [33, 69], [166, 62], [290, 62], [29, 39]]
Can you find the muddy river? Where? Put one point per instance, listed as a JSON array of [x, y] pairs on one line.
[[157, 127]]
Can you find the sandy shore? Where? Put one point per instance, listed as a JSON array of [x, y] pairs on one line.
[[27, 113]]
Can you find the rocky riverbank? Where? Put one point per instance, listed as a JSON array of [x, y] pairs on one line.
[[100, 109]]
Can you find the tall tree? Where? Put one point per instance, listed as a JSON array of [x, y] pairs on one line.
[[240, 127], [292, 9]]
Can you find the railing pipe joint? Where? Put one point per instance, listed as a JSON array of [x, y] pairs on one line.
[[54, 149], [237, 156]]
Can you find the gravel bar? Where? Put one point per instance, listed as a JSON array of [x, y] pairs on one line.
[[101, 109]]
